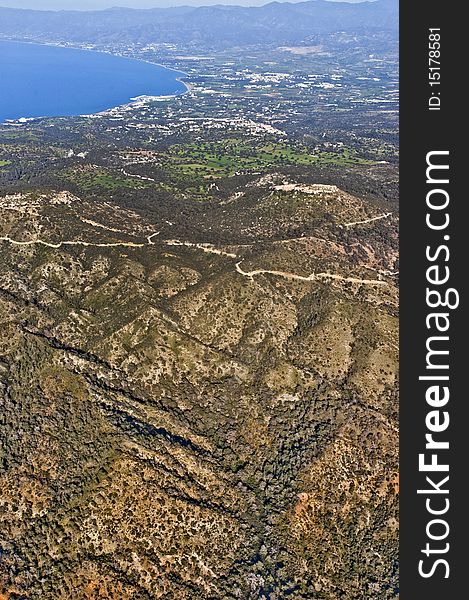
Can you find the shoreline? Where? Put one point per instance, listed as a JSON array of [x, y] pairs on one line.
[[133, 101]]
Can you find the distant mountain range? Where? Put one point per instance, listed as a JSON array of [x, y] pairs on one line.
[[209, 25]]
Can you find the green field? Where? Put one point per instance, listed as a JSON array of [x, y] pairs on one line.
[[92, 179], [228, 157], [191, 169]]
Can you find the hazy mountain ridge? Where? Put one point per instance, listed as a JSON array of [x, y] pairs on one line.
[[272, 23]]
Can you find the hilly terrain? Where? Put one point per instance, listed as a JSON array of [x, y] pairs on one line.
[[193, 419]]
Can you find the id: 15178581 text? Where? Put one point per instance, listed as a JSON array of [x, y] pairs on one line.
[[434, 68]]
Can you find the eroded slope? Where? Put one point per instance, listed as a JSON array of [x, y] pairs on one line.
[[199, 407]]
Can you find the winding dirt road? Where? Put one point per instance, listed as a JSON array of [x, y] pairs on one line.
[[312, 277], [40, 242], [385, 216], [205, 248]]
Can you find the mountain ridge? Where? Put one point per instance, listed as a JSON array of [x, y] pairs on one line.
[[223, 25]]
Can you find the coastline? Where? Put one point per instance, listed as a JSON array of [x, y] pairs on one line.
[[132, 103], [136, 102]]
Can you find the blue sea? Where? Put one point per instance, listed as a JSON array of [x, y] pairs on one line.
[[45, 81]]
